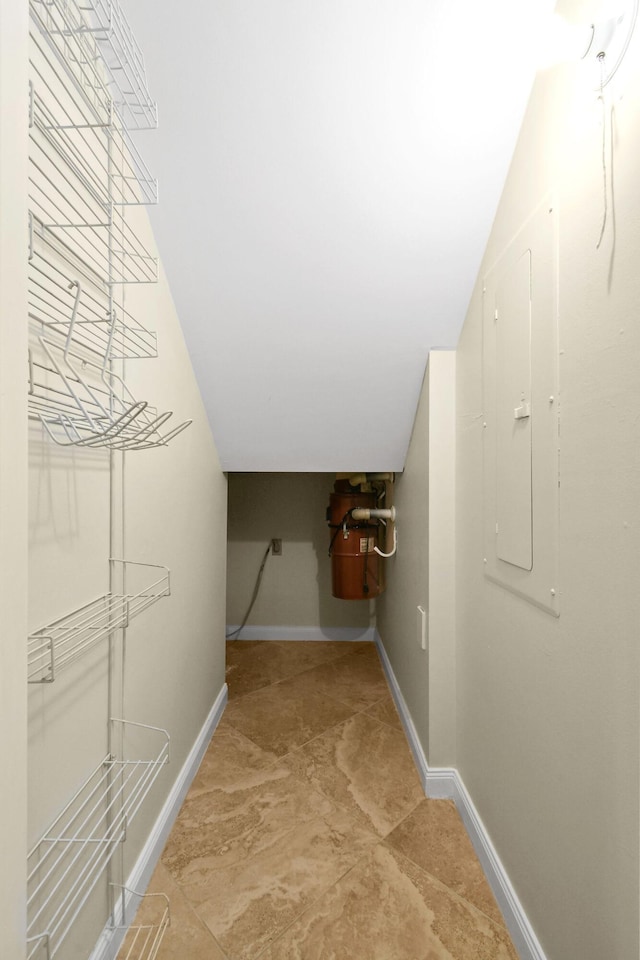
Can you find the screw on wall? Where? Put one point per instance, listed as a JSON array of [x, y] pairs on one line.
[[276, 548]]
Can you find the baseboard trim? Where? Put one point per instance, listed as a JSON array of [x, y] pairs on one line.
[[405, 716], [446, 784], [111, 939], [303, 633], [522, 933]]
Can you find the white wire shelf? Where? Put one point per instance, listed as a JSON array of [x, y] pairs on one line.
[[144, 936], [84, 170], [97, 232], [65, 294], [67, 862], [58, 644], [95, 38], [82, 403], [124, 60], [60, 125], [60, 27]]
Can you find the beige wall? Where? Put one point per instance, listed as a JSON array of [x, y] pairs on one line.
[[441, 622], [13, 473], [408, 574], [175, 514], [548, 708], [296, 587], [421, 573]]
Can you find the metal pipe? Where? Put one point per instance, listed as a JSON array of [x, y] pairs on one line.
[[367, 513]]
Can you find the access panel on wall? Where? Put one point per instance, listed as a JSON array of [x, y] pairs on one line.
[[520, 414]]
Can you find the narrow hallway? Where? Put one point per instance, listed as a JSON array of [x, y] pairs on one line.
[[306, 835]]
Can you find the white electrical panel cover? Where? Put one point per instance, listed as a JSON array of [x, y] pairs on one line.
[[521, 404], [512, 322]]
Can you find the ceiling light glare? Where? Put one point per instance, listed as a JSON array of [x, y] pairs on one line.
[[563, 41], [604, 42], [609, 41]]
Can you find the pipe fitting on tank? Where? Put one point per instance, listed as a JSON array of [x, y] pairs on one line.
[[367, 513], [357, 479]]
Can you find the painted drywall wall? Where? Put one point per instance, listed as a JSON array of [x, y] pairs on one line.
[[408, 574], [548, 708], [161, 506], [13, 475], [296, 587], [441, 549], [422, 572], [176, 511]]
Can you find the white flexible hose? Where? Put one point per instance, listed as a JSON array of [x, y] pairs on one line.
[[395, 546]]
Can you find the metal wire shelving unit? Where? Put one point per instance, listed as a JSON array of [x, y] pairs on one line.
[[88, 95], [53, 647], [67, 862], [85, 172]]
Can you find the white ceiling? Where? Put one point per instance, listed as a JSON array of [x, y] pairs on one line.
[[329, 171]]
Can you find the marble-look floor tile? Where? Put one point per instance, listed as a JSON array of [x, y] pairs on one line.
[[311, 653], [285, 715], [387, 908], [434, 837], [186, 938], [252, 665], [385, 711], [366, 648], [230, 759], [251, 859], [365, 766], [356, 680]]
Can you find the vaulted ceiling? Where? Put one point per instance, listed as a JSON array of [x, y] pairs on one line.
[[329, 172]]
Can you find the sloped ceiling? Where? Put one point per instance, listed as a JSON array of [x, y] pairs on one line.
[[329, 171]]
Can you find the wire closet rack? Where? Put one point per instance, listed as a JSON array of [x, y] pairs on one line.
[[70, 300], [88, 90], [82, 403], [87, 245], [67, 862], [58, 644]]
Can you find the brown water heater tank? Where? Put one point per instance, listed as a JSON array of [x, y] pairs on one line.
[[355, 566]]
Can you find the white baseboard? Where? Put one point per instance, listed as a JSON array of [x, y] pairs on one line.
[[446, 783], [303, 633], [110, 939]]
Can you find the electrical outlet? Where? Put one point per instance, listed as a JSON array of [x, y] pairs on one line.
[[276, 548]]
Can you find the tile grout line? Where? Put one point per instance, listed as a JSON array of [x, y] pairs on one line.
[[440, 883], [307, 670], [317, 900], [356, 711]]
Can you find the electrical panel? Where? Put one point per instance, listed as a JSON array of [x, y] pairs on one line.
[[521, 414]]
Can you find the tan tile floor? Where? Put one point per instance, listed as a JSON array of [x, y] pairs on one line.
[[305, 834]]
